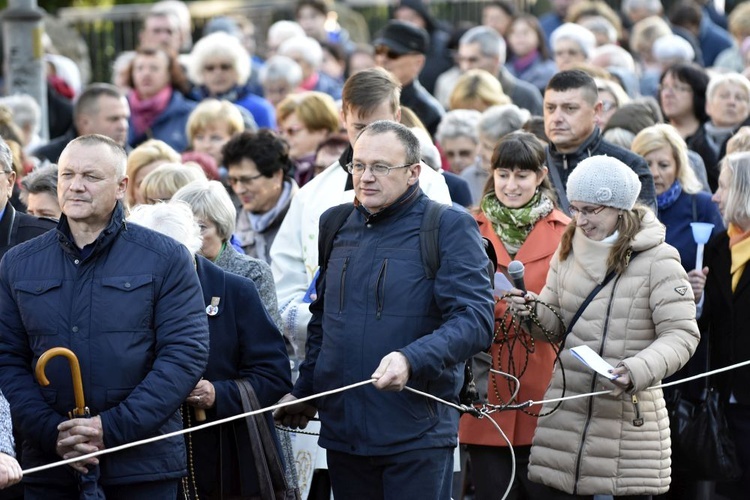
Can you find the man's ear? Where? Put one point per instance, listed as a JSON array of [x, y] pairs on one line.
[[414, 172]]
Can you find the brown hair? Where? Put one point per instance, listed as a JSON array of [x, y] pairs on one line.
[[368, 89], [177, 77]]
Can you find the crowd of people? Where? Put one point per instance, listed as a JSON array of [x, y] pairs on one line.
[[324, 211]]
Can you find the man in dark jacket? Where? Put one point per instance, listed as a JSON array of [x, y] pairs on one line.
[[15, 227], [400, 48], [377, 315], [127, 302], [100, 109], [571, 105]]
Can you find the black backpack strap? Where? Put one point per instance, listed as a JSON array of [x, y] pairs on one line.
[[429, 234], [328, 229]]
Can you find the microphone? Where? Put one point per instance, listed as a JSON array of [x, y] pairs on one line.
[[515, 271]]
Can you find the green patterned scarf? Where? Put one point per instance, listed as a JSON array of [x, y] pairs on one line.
[[513, 225]]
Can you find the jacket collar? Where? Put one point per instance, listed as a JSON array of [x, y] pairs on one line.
[[105, 238], [583, 151]]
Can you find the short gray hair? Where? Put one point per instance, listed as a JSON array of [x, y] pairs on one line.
[[25, 109], [210, 201], [281, 67], [459, 123], [41, 180], [727, 78], [173, 219], [585, 39], [499, 121], [490, 42], [405, 136], [307, 47], [6, 157], [118, 157]]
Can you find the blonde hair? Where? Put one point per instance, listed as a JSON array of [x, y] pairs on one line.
[[628, 225], [737, 209], [477, 89], [740, 141], [212, 112], [147, 153], [663, 135], [168, 178], [316, 110]]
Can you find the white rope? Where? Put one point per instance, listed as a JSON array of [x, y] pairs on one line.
[[192, 429], [346, 388]]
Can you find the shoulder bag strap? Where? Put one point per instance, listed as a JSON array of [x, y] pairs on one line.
[[268, 464], [591, 296]]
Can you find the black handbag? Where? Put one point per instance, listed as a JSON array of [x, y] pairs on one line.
[[268, 464], [702, 446]]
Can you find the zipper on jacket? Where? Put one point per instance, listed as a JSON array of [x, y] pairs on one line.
[[638, 420], [428, 402], [341, 285], [565, 162], [590, 407], [380, 289]]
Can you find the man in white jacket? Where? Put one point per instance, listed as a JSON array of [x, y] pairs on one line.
[[367, 96]]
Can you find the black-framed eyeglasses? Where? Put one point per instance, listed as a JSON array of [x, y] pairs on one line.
[[378, 170], [586, 211], [245, 180]]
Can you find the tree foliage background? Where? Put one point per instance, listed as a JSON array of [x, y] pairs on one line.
[[51, 6]]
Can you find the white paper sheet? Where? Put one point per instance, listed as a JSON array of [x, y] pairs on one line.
[[590, 358]]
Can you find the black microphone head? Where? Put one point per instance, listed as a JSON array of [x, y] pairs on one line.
[[515, 269]]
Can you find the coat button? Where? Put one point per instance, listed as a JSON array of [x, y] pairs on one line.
[[76, 261], [38, 289], [75, 329], [127, 285]]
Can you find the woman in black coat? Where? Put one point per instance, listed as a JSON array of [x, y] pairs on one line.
[[726, 314], [244, 343]]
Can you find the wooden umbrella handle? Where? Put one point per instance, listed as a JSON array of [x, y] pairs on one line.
[[75, 371], [200, 414]]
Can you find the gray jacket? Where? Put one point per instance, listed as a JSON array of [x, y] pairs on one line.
[[6, 428]]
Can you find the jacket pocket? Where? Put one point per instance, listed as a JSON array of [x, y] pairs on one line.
[[125, 303], [39, 302], [380, 289]]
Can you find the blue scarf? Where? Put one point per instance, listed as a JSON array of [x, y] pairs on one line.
[[668, 197]]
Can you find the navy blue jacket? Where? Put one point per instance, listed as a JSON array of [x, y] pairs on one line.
[[168, 126], [17, 227], [132, 312], [678, 216], [375, 299], [245, 343]]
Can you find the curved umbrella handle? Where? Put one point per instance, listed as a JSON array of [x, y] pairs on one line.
[[75, 371]]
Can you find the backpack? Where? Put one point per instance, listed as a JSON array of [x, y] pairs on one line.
[[429, 237]]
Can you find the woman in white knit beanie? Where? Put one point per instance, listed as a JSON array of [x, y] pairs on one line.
[[640, 318]]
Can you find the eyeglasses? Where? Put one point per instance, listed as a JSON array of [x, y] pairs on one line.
[[675, 88], [245, 180], [586, 211], [382, 50], [377, 170], [221, 66], [569, 52]]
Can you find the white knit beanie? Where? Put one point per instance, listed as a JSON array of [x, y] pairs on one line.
[[604, 180]]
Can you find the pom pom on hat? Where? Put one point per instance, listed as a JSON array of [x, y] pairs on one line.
[[604, 180]]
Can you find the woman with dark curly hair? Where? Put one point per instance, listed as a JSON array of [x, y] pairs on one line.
[[258, 164], [682, 96]]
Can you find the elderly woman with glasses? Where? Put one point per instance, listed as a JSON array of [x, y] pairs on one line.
[[220, 68], [258, 166], [634, 308]]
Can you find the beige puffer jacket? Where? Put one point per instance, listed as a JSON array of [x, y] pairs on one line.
[[644, 319]]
